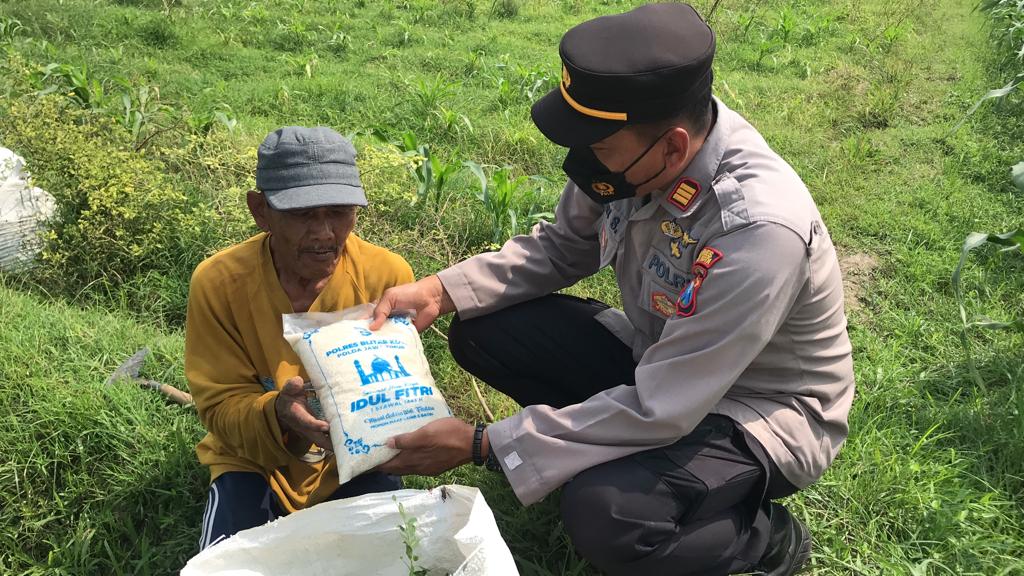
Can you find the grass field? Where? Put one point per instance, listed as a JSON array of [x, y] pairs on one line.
[[858, 95]]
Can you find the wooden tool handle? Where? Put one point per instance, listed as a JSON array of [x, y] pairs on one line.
[[178, 396]]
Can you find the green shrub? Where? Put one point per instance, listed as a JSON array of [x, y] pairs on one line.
[[215, 170], [118, 218], [158, 32], [385, 174], [505, 9]]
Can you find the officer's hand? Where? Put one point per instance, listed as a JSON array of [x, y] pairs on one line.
[[427, 297], [433, 449], [294, 415]]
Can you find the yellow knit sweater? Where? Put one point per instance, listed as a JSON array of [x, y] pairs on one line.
[[236, 359]]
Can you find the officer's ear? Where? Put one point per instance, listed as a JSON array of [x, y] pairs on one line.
[[678, 148]]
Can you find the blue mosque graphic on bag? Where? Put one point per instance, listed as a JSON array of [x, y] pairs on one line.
[[381, 371]]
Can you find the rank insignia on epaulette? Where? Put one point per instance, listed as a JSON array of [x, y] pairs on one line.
[[685, 191]]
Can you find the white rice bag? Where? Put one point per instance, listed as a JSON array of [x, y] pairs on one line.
[[370, 385]]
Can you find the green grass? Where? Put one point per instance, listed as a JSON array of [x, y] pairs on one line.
[[97, 480], [858, 95]]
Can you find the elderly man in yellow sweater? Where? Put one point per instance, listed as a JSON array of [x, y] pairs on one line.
[[265, 446]]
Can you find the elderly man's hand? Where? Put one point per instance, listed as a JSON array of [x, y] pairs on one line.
[[427, 297], [433, 449], [294, 415]]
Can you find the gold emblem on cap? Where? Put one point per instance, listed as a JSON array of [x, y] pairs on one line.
[[603, 188], [593, 113]]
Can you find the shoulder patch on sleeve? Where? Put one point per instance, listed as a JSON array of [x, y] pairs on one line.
[[707, 258], [686, 303]]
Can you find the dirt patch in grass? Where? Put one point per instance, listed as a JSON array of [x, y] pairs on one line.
[[857, 268]]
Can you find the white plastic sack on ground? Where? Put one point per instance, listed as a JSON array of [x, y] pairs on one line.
[[360, 536], [370, 385], [23, 211]]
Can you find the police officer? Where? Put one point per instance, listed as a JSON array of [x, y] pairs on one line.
[[724, 383]]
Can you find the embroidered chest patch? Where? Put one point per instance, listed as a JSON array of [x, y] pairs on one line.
[[679, 244], [679, 238], [661, 268], [662, 304]]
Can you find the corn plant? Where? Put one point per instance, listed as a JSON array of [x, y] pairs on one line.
[[84, 87], [404, 35], [892, 34], [452, 121], [767, 46], [473, 62], [499, 192], [141, 109], [339, 41], [536, 211], [293, 36], [202, 123], [786, 25], [301, 64], [1008, 28], [820, 27], [431, 173], [256, 13], [1008, 17], [991, 94], [9, 28], [516, 82], [507, 93], [443, 172], [746, 21], [1009, 241], [430, 94]]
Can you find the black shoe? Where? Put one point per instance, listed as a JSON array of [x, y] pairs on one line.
[[789, 545]]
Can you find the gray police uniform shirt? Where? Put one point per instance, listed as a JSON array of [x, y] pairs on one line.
[[733, 305]]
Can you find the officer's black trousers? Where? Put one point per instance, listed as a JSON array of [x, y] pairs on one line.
[[695, 507]]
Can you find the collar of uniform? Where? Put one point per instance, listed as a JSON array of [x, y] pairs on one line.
[[643, 211], [692, 187]]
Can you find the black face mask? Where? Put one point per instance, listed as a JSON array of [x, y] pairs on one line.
[[597, 181]]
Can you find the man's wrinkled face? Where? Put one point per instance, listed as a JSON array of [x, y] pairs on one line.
[[307, 243]]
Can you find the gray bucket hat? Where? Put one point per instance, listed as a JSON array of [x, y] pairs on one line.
[[298, 167]]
